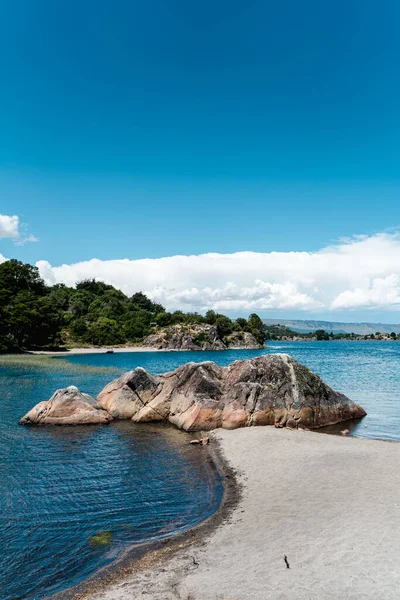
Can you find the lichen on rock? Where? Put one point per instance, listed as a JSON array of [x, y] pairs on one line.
[[272, 389]]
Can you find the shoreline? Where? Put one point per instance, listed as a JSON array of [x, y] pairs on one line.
[[100, 350], [137, 558], [329, 503], [116, 350]]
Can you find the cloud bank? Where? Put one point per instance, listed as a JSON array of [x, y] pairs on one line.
[[10, 227], [361, 272]]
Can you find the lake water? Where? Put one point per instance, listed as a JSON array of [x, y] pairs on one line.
[[61, 486]]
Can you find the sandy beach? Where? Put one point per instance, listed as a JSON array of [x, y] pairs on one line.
[[330, 503], [102, 350], [105, 349]]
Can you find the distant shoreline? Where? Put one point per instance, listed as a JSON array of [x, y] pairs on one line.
[[100, 350], [116, 350], [113, 350]]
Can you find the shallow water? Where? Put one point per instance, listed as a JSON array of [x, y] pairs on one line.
[[61, 486]]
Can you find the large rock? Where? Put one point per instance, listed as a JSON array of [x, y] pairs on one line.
[[67, 406], [267, 390], [124, 397]]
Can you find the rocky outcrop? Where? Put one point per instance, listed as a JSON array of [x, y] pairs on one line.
[[67, 406], [125, 396], [267, 390], [272, 389], [198, 337], [242, 339]]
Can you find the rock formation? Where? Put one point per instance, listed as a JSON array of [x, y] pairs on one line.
[[272, 389], [198, 337], [67, 406], [267, 390]]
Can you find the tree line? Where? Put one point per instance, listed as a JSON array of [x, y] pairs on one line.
[[36, 315]]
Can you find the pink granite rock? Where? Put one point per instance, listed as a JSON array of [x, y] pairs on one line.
[[67, 406]]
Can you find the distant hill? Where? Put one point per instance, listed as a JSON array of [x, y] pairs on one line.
[[335, 327]]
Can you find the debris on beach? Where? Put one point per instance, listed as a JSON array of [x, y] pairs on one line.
[[285, 558], [202, 441]]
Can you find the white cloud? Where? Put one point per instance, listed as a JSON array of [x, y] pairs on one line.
[[24, 240], [10, 227], [381, 292], [361, 272]]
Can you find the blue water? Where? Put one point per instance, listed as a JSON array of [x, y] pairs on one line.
[[60, 486]]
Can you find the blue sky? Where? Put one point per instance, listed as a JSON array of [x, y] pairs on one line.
[[144, 130]]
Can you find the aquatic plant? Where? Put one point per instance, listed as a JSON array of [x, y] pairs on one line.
[[103, 538], [33, 362]]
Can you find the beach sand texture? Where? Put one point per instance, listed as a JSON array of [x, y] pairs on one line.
[[331, 504]]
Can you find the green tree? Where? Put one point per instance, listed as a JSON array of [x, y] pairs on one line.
[[77, 328], [321, 335], [242, 323], [141, 301], [224, 325], [210, 317], [255, 322], [104, 332], [256, 327], [137, 325]]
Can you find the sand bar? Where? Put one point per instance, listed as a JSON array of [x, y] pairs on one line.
[[96, 350], [105, 349], [331, 504]]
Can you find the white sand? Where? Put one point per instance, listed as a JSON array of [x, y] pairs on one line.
[[97, 350], [332, 504]]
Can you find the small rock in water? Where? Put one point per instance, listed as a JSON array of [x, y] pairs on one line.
[[345, 432]]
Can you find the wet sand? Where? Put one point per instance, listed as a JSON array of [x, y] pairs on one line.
[[330, 503]]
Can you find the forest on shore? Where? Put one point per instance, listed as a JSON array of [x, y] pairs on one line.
[[34, 315]]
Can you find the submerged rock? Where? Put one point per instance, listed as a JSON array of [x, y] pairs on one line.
[[67, 406], [267, 390], [101, 539]]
